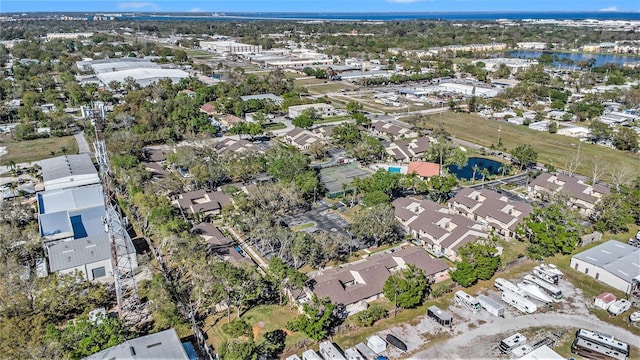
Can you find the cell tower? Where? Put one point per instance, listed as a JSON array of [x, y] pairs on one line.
[[123, 254]]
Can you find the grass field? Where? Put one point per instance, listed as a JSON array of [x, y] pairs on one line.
[[38, 149], [553, 149], [263, 318]]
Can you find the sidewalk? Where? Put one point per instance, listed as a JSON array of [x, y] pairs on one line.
[[248, 249]]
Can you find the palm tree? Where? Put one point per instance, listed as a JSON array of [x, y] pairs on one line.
[[475, 169], [64, 150], [485, 174]]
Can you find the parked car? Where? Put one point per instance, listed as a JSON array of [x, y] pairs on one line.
[[619, 306]]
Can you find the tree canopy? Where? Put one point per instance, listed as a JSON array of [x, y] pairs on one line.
[[407, 287]]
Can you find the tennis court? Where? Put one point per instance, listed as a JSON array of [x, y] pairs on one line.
[[333, 178]]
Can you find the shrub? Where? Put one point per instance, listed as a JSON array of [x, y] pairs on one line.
[[369, 316], [237, 328]]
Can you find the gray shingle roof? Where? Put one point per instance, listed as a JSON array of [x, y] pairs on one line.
[[162, 345], [620, 259], [68, 165], [74, 253]]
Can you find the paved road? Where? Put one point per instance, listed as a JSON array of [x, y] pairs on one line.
[[447, 350], [83, 145]]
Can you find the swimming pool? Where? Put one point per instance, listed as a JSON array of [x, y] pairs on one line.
[[393, 169]]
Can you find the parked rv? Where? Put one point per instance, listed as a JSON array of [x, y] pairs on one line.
[[311, 355], [553, 269], [506, 285], [494, 308], [618, 307], [533, 292], [329, 351], [519, 302], [512, 342], [366, 351], [467, 301], [353, 354], [551, 290], [545, 275], [376, 343], [442, 317]]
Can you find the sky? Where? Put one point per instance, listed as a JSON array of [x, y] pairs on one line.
[[319, 5]]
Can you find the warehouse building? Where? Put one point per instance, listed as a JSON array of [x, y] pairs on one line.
[[614, 263]]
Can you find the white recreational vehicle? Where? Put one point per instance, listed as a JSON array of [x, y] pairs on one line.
[[519, 302], [545, 275], [330, 351], [311, 355], [551, 290], [506, 285], [512, 342], [553, 269], [534, 292], [467, 301], [494, 308]]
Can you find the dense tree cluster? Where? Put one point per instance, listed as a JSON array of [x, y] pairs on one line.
[[479, 261]]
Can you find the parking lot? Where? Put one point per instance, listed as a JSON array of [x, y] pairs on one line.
[[322, 216]]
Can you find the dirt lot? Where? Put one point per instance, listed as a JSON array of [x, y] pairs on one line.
[[478, 335]]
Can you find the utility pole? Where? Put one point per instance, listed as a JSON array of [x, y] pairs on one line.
[[123, 254]]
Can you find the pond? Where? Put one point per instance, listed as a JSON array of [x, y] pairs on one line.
[[466, 172], [600, 59]]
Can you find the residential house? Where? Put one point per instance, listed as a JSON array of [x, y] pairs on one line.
[[208, 108], [356, 284], [392, 131], [230, 120], [494, 211], [202, 202], [424, 169], [405, 151], [580, 196], [235, 145], [221, 245], [301, 138], [324, 132], [439, 231]]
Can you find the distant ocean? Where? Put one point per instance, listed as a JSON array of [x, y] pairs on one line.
[[600, 15]]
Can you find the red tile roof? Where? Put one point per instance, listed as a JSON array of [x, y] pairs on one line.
[[424, 169]]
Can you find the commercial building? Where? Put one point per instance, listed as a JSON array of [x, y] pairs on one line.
[[71, 215], [162, 345], [614, 263], [142, 76], [230, 47], [322, 109], [68, 171]]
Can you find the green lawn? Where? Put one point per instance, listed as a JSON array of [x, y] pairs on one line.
[[38, 149], [553, 149], [263, 318]]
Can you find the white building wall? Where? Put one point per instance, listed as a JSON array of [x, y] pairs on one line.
[[601, 275], [87, 269]]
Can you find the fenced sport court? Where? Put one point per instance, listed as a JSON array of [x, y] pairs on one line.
[[334, 177]]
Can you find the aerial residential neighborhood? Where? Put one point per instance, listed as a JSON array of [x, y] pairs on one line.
[[264, 183]]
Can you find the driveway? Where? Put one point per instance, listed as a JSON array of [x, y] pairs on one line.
[[83, 145]]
